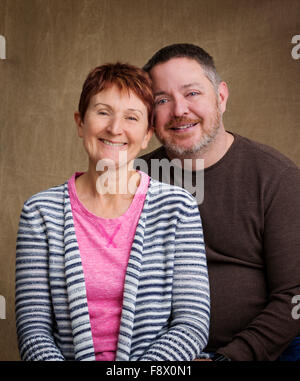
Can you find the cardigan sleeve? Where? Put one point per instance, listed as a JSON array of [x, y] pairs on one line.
[[34, 317], [187, 335]]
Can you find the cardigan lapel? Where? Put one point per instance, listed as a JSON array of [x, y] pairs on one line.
[[79, 314], [131, 287]]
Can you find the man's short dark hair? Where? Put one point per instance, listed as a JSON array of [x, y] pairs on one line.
[[189, 51]]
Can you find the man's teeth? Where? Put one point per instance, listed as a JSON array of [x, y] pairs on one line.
[[111, 143], [185, 126]]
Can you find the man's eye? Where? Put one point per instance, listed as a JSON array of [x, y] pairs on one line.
[[161, 101], [102, 113], [192, 93]]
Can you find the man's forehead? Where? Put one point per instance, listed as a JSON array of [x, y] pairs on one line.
[[177, 75], [179, 67]]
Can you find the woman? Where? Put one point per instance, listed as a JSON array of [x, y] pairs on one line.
[[111, 265]]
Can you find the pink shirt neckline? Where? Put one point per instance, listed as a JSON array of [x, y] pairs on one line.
[[141, 192]]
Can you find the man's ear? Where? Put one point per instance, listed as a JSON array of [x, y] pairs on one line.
[[79, 124], [223, 94]]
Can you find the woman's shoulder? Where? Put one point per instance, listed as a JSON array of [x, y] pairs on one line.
[[51, 196], [160, 190]]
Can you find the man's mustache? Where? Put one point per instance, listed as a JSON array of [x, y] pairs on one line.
[[180, 121]]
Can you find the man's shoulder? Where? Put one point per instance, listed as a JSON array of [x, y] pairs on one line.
[[168, 189], [158, 153], [262, 154]]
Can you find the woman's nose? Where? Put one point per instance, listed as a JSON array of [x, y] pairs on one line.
[[115, 126]]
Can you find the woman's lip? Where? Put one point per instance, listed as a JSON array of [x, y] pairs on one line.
[[112, 144]]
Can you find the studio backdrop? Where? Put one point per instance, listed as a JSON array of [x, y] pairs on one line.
[[47, 47]]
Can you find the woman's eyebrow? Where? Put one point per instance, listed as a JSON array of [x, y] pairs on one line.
[[135, 109], [103, 104]]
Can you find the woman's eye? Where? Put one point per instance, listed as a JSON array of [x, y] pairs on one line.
[[132, 118], [102, 113]]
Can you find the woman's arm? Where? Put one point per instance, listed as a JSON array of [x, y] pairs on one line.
[[189, 325], [34, 315]]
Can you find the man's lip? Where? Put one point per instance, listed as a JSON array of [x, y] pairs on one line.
[[183, 126]]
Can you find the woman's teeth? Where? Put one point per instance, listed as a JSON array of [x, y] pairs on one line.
[[111, 143]]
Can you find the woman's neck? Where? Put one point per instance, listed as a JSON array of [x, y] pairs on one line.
[[107, 193]]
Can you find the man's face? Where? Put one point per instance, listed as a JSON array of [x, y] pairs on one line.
[[188, 112]]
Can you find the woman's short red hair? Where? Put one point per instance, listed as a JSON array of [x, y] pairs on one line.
[[125, 77]]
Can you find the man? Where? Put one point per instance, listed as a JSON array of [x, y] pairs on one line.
[[250, 211]]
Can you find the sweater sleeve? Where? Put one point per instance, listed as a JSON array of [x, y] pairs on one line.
[[188, 331], [275, 327], [34, 316]]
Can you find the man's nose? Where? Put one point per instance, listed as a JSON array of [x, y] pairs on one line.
[[180, 107]]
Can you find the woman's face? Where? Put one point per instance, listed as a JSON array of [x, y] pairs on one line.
[[115, 126]]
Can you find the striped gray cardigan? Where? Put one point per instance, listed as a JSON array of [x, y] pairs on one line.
[[165, 312]]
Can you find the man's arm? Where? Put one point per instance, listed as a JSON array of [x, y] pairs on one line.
[[274, 328]]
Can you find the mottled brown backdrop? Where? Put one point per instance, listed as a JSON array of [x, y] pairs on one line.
[[51, 46]]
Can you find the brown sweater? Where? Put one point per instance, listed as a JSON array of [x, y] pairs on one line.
[[251, 221]]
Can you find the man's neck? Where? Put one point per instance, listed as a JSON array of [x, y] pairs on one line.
[[210, 154]]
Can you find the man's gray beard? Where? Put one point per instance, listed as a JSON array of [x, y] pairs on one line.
[[198, 147]]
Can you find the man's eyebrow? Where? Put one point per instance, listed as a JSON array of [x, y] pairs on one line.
[[160, 93], [192, 84], [185, 86]]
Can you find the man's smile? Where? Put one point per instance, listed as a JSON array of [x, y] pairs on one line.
[[183, 127]]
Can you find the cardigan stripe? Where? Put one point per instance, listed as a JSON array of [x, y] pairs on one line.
[[166, 277]]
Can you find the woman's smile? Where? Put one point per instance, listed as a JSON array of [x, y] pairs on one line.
[[112, 144], [114, 121]]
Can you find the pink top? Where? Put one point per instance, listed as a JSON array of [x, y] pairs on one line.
[[105, 246]]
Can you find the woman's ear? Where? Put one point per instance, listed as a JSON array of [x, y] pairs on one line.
[[147, 137], [79, 124]]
